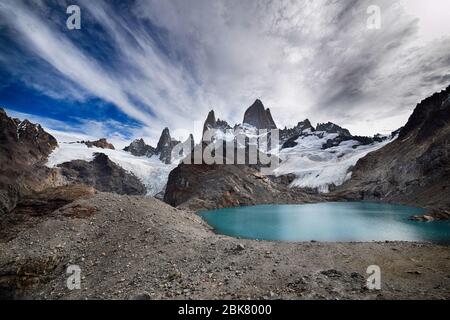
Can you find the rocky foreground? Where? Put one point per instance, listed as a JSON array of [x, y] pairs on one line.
[[132, 247]]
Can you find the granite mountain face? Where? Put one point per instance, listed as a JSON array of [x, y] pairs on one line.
[[139, 148], [24, 147], [259, 117], [414, 168]]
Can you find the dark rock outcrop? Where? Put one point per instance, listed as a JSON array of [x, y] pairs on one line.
[[333, 128], [299, 128], [24, 148], [165, 146], [430, 116], [35, 206], [139, 148], [289, 136], [101, 143], [212, 123], [259, 117], [220, 186], [102, 174], [413, 169], [339, 139]]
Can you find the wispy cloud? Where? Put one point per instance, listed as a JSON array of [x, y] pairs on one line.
[[166, 63], [81, 129]]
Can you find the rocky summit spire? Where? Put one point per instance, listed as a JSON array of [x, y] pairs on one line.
[[165, 146], [304, 125], [259, 117], [164, 140], [210, 121]]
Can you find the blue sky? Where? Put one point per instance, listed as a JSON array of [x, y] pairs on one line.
[[138, 66]]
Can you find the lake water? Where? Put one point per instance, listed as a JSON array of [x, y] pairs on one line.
[[329, 221]]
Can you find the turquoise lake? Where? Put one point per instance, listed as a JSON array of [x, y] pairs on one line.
[[329, 222]]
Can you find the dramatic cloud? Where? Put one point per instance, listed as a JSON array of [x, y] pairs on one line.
[[166, 63]]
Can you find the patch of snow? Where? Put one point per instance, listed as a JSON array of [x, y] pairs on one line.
[[319, 168], [151, 171]]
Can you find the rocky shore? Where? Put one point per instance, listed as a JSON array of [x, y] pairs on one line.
[[132, 247]]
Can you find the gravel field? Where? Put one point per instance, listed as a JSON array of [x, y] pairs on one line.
[[141, 248]]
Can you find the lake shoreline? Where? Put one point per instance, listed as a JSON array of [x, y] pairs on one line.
[[350, 221], [170, 253]]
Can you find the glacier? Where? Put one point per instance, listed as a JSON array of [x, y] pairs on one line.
[[318, 168], [152, 172]]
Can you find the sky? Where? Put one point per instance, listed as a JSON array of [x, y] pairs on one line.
[[138, 66]]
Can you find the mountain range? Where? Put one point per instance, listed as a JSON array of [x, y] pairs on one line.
[[316, 163]]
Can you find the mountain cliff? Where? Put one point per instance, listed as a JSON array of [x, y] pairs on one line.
[[139, 148], [259, 117], [102, 174], [212, 123], [24, 147], [202, 186], [413, 169]]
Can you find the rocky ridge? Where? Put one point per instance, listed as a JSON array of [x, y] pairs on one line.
[[202, 186], [415, 168], [24, 147], [102, 174], [163, 149]]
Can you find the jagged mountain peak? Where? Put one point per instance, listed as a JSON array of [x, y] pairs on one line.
[[164, 139], [331, 127], [165, 146], [305, 124], [259, 117], [139, 148], [210, 121], [211, 115], [430, 115]]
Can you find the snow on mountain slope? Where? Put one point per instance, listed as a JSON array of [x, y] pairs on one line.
[[319, 168], [151, 171], [313, 166]]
